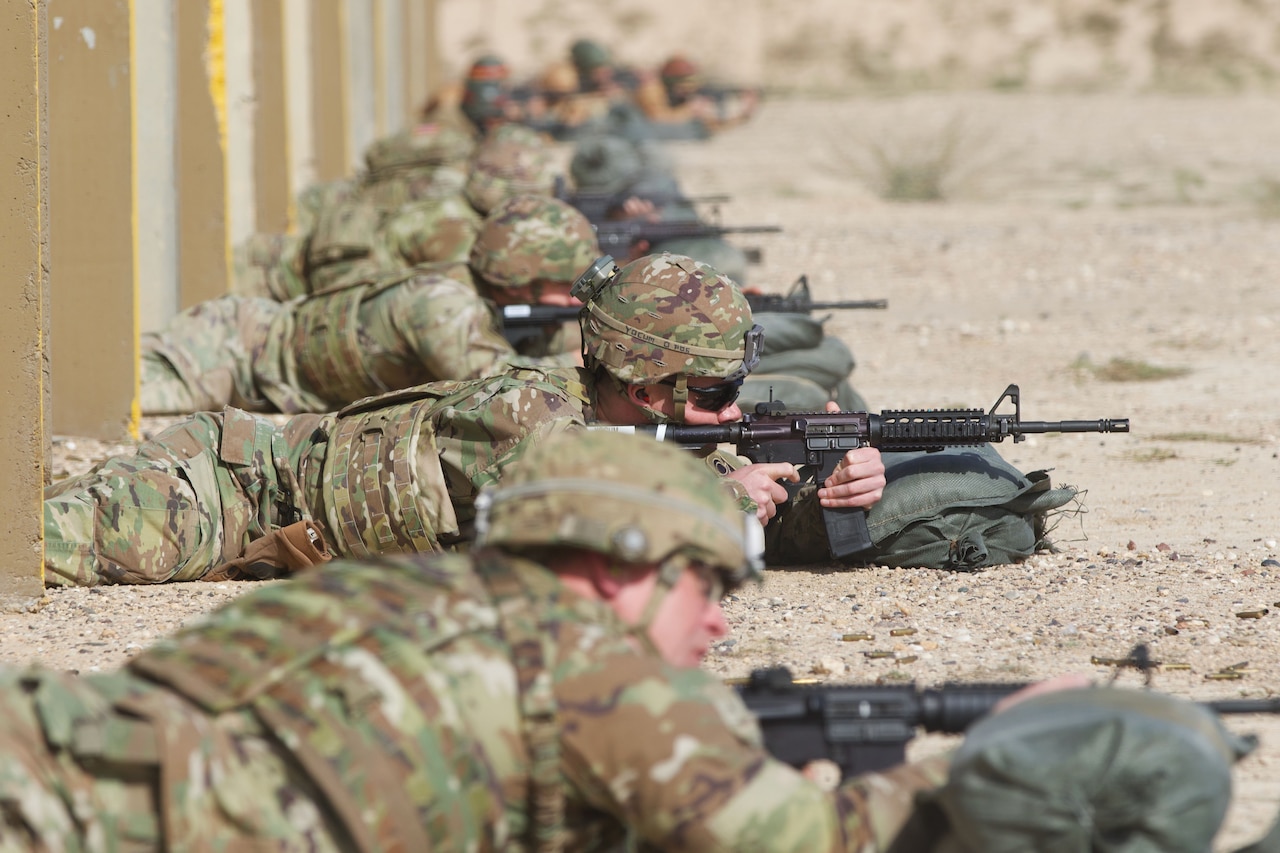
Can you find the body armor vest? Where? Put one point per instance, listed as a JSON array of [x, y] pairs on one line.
[[331, 363], [383, 487]]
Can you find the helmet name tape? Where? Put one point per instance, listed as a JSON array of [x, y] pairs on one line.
[[674, 346], [488, 500]]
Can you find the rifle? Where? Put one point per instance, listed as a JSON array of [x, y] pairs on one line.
[[798, 301], [596, 206], [865, 728], [523, 321], [819, 440], [617, 238]]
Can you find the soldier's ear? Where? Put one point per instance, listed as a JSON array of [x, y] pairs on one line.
[[638, 395], [606, 577]]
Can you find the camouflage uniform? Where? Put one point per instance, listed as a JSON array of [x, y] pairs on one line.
[[369, 334], [393, 473], [396, 214], [320, 352], [446, 702], [461, 702]]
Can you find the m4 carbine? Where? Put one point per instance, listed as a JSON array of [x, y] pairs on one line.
[[525, 321], [617, 238], [865, 728], [597, 206], [817, 441]]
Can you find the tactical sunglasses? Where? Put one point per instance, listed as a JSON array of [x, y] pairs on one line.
[[712, 398]]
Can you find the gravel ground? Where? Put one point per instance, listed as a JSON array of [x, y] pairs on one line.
[[1077, 231]]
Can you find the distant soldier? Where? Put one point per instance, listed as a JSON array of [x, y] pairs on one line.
[[341, 223], [542, 692], [678, 95], [345, 228], [479, 102], [375, 331]]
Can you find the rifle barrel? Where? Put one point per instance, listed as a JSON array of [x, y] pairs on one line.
[[1100, 425]]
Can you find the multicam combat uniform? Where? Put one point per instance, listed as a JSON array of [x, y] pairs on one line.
[[392, 473], [365, 336], [405, 209], [371, 333], [425, 703]]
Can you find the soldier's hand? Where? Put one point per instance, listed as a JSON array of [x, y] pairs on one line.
[[761, 480], [823, 772], [857, 481]]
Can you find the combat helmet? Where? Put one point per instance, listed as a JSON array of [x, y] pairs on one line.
[[665, 316], [532, 238], [604, 163], [434, 231], [588, 55], [509, 163], [632, 499], [488, 66], [425, 145]]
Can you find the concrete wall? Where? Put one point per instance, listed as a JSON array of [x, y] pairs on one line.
[[180, 129], [24, 265], [143, 138]]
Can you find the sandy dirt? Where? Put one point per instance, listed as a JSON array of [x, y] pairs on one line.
[[1076, 231]]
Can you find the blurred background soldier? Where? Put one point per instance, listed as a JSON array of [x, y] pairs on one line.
[[347, 229], [374, 332], [477, 103], [339, 223], [679, 95]]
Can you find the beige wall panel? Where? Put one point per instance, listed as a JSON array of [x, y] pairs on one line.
[[95, 338], [359, 64], [271, 130], [201, 158], [418, 50], [329, 110], [24, 246]]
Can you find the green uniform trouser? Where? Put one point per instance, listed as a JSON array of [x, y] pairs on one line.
[[204, 358], [113, 763], [188, 501]]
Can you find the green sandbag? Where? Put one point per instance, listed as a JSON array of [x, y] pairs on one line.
[[1095, 770], [960, 508]]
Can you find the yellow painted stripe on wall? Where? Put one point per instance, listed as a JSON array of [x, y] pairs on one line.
[[215, 58], [135, 406]]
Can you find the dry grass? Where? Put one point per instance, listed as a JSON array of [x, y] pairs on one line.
[[1128, 370], [918, 157]]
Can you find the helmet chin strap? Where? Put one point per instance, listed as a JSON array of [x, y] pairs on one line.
[[669, 572], [680, 396]]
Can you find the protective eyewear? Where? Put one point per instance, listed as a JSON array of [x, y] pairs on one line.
[[712, 398]]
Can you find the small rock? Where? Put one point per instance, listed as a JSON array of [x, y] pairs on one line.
[[1132, 546], [1162, 547], [830, 666]]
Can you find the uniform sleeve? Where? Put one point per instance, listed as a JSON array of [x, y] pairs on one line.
[[675, 755], [452, 332]]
